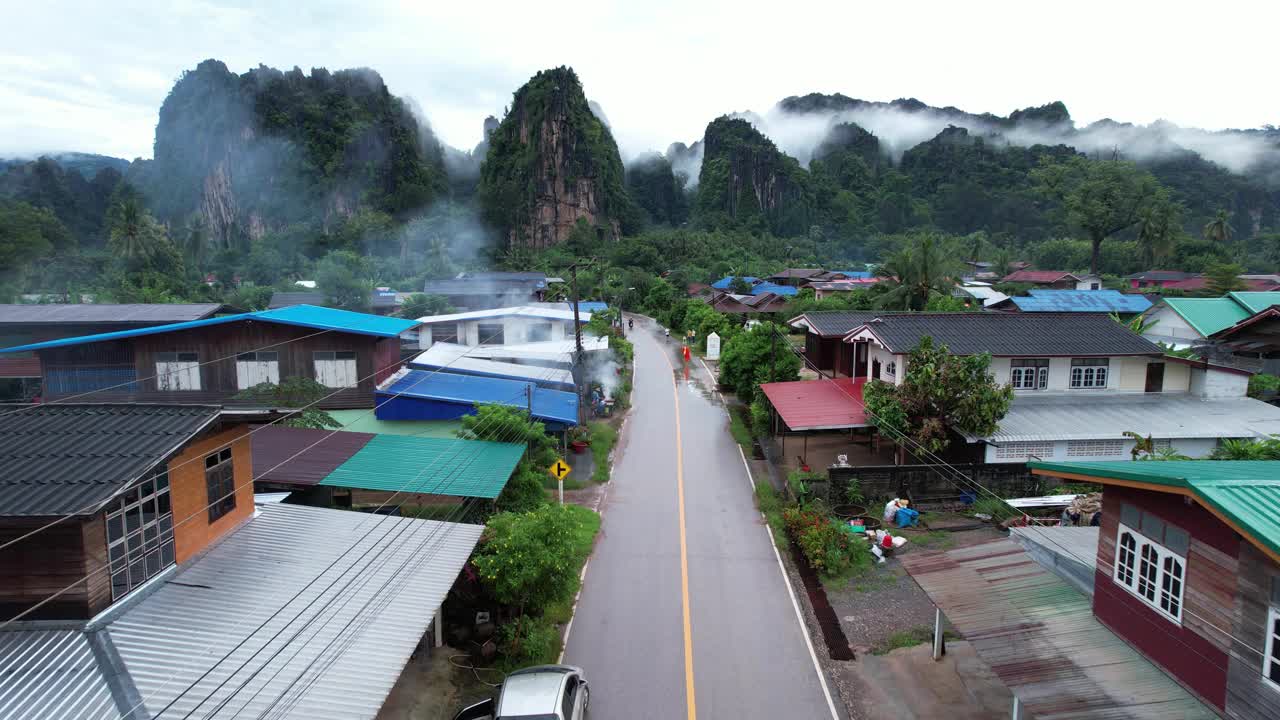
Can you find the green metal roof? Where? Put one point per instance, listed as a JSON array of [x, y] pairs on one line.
[[437, 466], [1247, 492], [1253, 301], [366, 421], [1209, 315]]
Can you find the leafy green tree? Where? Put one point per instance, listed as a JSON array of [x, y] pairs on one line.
[[1158, 228], [940, 392], [739, 286], [135, 234], [421, 305], [502, 423], [762, 354], [660, 298], [1101, 197], [530, 560], [344, 278], [294, 393], [925, 268], [26, 234], [1219, 229], [1222, 278]]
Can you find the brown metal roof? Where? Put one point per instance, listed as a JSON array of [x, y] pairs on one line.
[[1040, 637], [83, 314], [318, 453]]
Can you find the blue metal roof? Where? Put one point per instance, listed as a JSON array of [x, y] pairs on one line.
[[1045, 300], [588, 306], [724, 282], [311, 316], [553, 405], [854, 274], [765, 287]]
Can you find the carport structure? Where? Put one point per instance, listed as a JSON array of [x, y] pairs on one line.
[[805, 407]]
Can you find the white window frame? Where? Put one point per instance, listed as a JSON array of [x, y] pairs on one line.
[[1090, 377], [137, 554], [257, 367], [1272, 646], [336, 368], [177, 371], [1150, 584], [1029, 377]]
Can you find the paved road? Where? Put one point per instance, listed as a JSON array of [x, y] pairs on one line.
[[748, 650]]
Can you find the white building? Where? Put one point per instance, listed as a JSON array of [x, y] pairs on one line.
[[1081, 381], [499, 326]]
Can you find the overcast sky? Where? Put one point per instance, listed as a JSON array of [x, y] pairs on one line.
[[91, 76]]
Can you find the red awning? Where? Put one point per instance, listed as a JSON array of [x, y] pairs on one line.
[[818, 404]]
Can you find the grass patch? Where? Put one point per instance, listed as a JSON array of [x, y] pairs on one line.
[[739, 427], [603, 437], [918, 635], [933, 539], [771, 505], [998, 509]]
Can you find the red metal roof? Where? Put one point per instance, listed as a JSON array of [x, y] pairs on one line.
[[20, 367], [818, 404], [1037, 276], [301, 456]]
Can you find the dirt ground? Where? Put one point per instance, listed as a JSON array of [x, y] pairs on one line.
[[432, 688], [907, 684]]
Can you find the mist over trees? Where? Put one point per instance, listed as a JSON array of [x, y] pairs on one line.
[[267, 177]]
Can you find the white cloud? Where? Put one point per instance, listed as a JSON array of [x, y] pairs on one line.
[[91, 76]]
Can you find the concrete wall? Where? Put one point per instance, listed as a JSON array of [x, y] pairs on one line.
[[875, 352], [1061, 449], [1169, 327], [1214, 384], [1177, 377], [515, 330], [1123, 373], [1087, 282], [1133, 373]]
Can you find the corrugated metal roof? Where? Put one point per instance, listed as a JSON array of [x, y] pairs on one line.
[[285, 299], [768, 287], [1098, 301], [1089, 416], [402, 569], [724, 282], [1012, 334], [48, 674], [1208, 315], [1038, 276], [559, 312], [455, 359], [301, 456], [818, 404], [60, 459], [560, 351], [796, 273], [81, 314], [365, 421], [1041, 639], [1256, 301], [404, 463], [834, 324], [552, 405], [1245, 492], [320, 318]]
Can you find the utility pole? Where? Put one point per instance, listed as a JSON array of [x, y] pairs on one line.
[[578, 380], [528, 395]]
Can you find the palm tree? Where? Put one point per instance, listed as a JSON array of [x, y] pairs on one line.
[[1157, 228], [131, 234], [1219, 228], [195, 240], [923, 269]]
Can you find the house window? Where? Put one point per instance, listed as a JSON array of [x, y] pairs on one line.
[[891, 368], [140, 533], [220, 481], [1029, 373], [445, 333], [1152, 571], [1271, 661], [336, 368], [492, 334], [1089, 372], [1094, 448], [1094, 285], [540, 332], [177, 371], [1024, 450], [255, 368]]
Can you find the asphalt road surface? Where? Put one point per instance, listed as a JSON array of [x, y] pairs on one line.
[[709, 630]]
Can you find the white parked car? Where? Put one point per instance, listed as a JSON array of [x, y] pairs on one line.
[[545, 692]]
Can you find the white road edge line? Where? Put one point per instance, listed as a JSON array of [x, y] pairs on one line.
[[791, 592]]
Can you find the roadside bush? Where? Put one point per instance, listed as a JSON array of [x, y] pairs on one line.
[[1263, 383], [528, 641], [530, 560], [830, 549], [602, 437], [760, 416]]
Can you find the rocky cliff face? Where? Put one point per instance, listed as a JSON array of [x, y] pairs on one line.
[[551, 163], [745, 179], [255, 152]]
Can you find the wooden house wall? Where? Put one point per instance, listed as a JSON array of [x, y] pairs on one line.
[[35, 568], [1249, 696], [294, 346], [1195, 652], [819, 351]]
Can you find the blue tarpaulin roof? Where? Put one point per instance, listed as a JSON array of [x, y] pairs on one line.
[[310, 316], [765, 287], [1044, 300], [470, 390], [724, 282]]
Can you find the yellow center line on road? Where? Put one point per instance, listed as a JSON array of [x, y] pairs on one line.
[[691, 703]]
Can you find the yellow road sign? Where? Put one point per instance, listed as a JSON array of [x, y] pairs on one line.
[[559, 470]]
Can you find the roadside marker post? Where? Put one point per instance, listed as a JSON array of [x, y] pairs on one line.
[[559, 470]]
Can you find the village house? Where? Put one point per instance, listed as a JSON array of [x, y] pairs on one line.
[[731, 304], [215, 359], [490, 289], [978, 294], [1157, 278], [27, 324], [1056, 279], [823, 289], [501, 326], [757, 285], [165, 568], [1187, 572], [1181, 322], [795, 277]]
